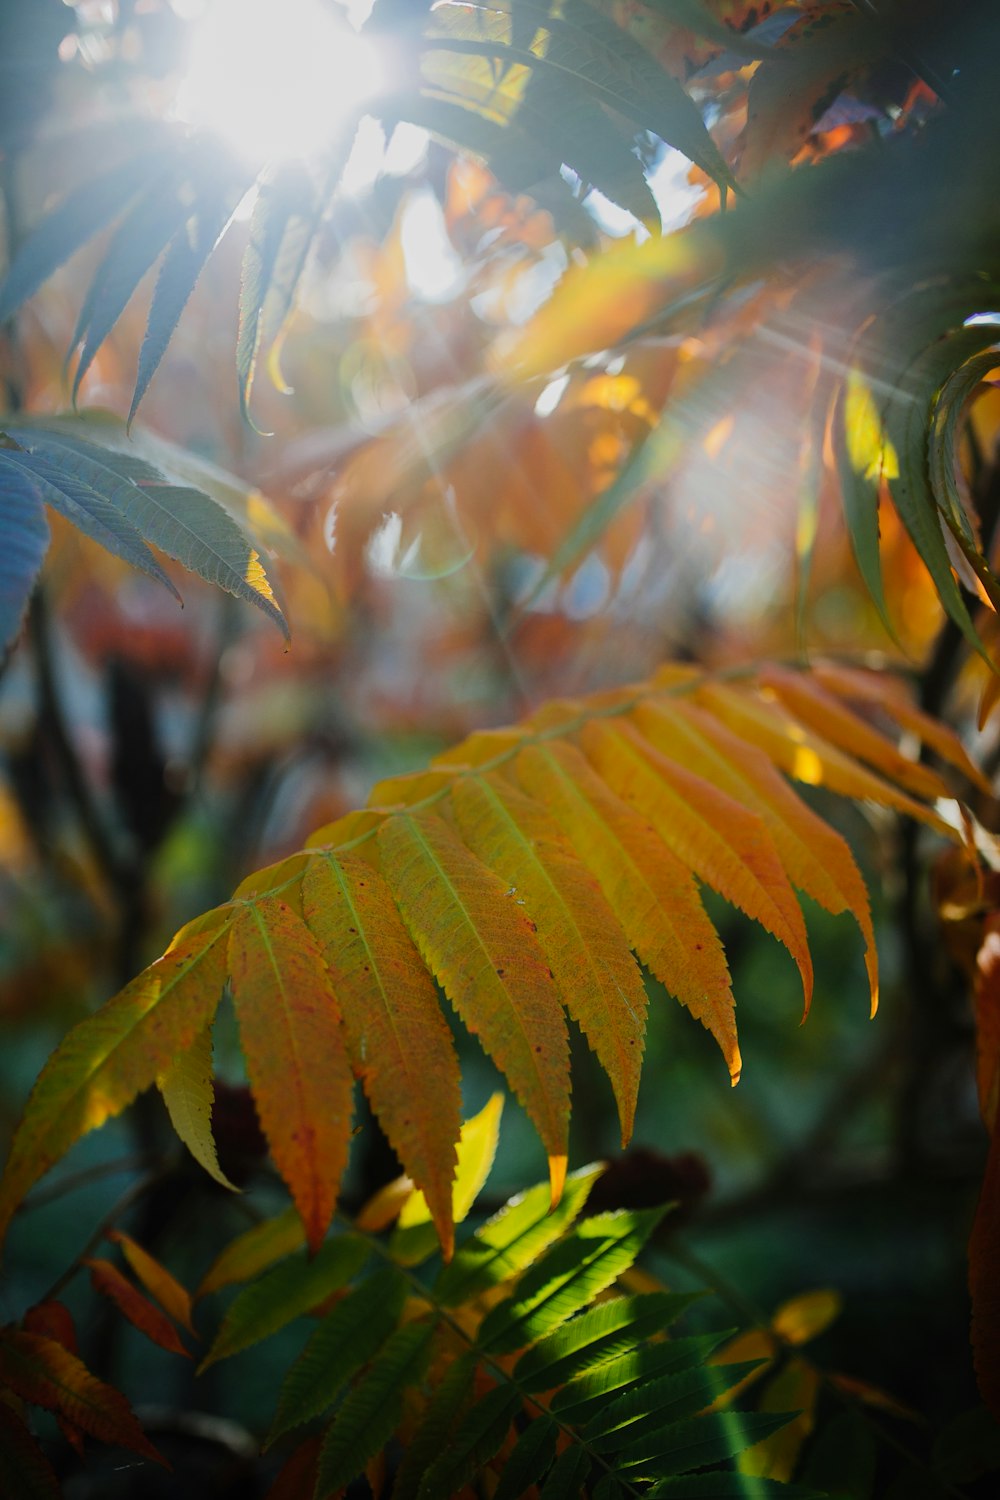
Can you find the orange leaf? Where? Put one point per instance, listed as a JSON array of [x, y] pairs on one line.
[[140, 1312], [41, 1371], [726, 845], [482, 947], [396, 1033], [25, 1472], [879, 689], [804, 756], [815, 857], [296, 1056], [830, 717], [651, 892], [587, 951], [109, 1058], [157, 1280], [54, 1320]]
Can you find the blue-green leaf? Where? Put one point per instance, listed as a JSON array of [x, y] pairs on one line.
[[184, 523], [88, 511], [24, 540], [183, 263], [76, 220], [137, 244]]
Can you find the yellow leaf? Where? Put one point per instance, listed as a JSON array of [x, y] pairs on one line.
[[805, 1317], [477, 1148], [188, 1093]]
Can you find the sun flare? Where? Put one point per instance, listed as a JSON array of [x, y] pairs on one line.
[[276, 81]]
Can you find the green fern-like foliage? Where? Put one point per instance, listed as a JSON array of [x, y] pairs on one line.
[[524, 1356]]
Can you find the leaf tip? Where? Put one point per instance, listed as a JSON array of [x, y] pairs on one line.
[[557, 1177]]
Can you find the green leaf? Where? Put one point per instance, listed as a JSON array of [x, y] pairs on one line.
[[370, 1412], [528, 1459], [346, 1339], [513, 1238], [649, 1407], [567, 1475], [76, 220], [588, 1393], [285, 1293], [24, 541], [88, 511], [184, 523], [441, 1414], [479, 1437], [697, 1441], [568, 1277], [595, 1337]]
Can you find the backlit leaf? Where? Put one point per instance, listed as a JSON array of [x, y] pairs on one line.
[[726, 845], [396, 1034], [109, 1058], [594, 1253], [480, 944], [296, 1056], [514, 1237], [651, 891], [26, 541], [587, 954]]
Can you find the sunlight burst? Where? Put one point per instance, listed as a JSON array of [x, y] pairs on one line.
[[276, 81]]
